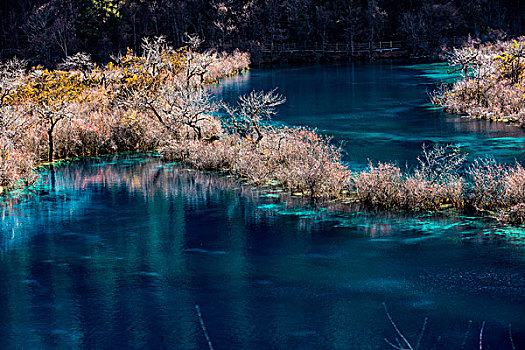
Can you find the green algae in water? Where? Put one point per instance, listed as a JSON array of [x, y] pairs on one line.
[[270, 207], [271, 195], [437, 71], [103, 164], [514, 234], [281, 209]]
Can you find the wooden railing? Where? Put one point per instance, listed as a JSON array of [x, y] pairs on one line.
[[378, 46]]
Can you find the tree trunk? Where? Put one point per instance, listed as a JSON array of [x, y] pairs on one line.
[[51, 145]]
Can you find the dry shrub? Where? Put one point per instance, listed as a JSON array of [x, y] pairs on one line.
[[106, 132], [421, 194], [492, 85], [495, 187], [433, 184], [297, 158], [514, 215], [487, 184], [226, 65], [514, 185], [384, 185], [204, 155], [15, 165], [435, 181], [304, 161], [81, 137], [252, 163], [380, 186]]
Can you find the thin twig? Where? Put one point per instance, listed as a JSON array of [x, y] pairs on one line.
[[481, 336], [511, 339], [423, 328], [397, 329], [392, 345], [203, 326]]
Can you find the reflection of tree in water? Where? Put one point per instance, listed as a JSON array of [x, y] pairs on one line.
[[152, 179], [149, 178], [483, 127]]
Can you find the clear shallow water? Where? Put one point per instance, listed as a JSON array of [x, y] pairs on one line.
[[380, 111], [117, 252]]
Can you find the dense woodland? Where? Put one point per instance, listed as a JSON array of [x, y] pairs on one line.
[[49, 30]]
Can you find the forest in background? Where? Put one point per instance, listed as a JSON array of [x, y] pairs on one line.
[[49, 30]]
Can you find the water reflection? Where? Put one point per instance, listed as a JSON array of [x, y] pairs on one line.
[[120, 251]]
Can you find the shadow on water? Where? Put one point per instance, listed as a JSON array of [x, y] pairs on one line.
[[124, 248]]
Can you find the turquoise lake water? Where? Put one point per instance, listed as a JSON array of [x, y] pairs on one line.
[[115, 253], [380, 112]]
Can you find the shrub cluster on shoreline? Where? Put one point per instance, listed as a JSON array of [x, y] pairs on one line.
[[83, 109], [298, 159], [443, 180], [492, 82], [157, 101]]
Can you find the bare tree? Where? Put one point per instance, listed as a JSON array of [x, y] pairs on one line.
[[375, 17], [440, 163], [224, 22], [52, 25], [414, 26], [323, 16], [179, 101], [62, 31], [80, 61], [248, 118], [196, 64], [53, 96], [11, 74], [177, 107], [465, 59], [154, 51], [37, 30], [352, 20]]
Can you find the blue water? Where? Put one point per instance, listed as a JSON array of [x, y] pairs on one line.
[[380, 112], [115, 253]]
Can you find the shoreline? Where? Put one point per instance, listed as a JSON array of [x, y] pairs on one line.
[[491, 85], [297, 160], [344, 204]]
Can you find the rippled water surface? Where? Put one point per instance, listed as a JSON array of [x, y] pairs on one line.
[[117, 252]]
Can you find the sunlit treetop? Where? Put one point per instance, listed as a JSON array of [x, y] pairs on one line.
[[50, 88]]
